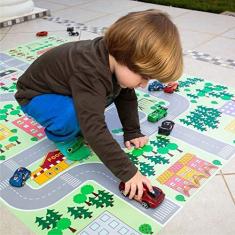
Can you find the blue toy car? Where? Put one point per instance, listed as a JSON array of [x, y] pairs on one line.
[[19, 177], [155, 86]]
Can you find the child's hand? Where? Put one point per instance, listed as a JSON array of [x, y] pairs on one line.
[[137, 142], [135, 185]]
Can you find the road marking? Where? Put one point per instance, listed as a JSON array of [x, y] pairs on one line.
[[165, 211], [4, 184], [71, 180], [11, 165], [226, 152]]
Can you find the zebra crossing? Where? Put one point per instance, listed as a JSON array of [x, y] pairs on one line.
[[4, 184], [226, 152], [71, 180], [12, 165], [166, 210]]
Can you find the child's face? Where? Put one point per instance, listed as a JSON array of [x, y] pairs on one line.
[[128, 79]]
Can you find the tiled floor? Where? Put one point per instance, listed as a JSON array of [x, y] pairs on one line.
[[212, 211]]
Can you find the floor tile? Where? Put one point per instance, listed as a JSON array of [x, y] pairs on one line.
[[203, 214], [79, 15], [10, 225], [71, 2], [191, 39], [87, 35], [36, 26], [219, 46], [230, 167], [172, 11], [104, 21], [209, 71], [12, 40], [110, 6], [230, 179], [230, 33], [49, 5], [205, 22], [5, 30]]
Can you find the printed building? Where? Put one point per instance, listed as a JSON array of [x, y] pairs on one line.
[[4, 132], [53, 163], [186, 173], [30, 126]]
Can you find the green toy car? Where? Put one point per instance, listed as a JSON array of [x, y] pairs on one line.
[[159, 113]]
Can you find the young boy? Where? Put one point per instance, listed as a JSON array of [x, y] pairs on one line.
[[67, 89]]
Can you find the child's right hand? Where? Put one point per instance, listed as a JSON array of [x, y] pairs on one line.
[[135, 184]]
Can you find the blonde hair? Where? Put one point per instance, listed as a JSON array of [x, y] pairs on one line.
[[148, 43]]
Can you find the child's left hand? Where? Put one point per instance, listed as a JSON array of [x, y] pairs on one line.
[[137, 142]]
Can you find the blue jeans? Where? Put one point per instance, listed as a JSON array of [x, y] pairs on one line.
[[57, 114]]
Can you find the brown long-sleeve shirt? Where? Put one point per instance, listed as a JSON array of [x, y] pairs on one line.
[[81, 70]]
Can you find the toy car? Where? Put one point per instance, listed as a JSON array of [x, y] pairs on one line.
[[73, 33], [155, 86], [42, 34], [159, 113], [19, 177], [149, 199], [70, 29], [171, 87], [166, 127]]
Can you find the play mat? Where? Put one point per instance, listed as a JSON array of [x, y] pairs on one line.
[[66, 197]]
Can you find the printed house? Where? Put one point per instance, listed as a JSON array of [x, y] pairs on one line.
[[4, 132], [30, 126], [186, 173], [53, 163]]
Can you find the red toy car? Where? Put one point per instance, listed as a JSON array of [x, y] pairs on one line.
[[171, 87], [42, 34], [149, 199]]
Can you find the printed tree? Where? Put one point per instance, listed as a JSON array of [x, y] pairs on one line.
[[65, 223], [14, 139], [160, 141], [88, 189], [164, 146], [4, 111], [81, 198], [1, 148], [79, 212], [3, 116], [52, 217], [189, 82], [217, 91], [62, 224], [210, 90], [8, 106], [145, 229], [133, 158], [192, 96], [14, 130], [202, 117], [140, 151], [158, 159], [147, 169], [104, 199], [15, 112]]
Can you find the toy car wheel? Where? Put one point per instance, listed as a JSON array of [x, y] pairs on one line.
[[145, 205], [69, 150], [122, 192], [23, 183]]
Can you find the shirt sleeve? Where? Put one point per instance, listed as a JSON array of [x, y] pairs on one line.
[[89, 100], [127, 108]]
